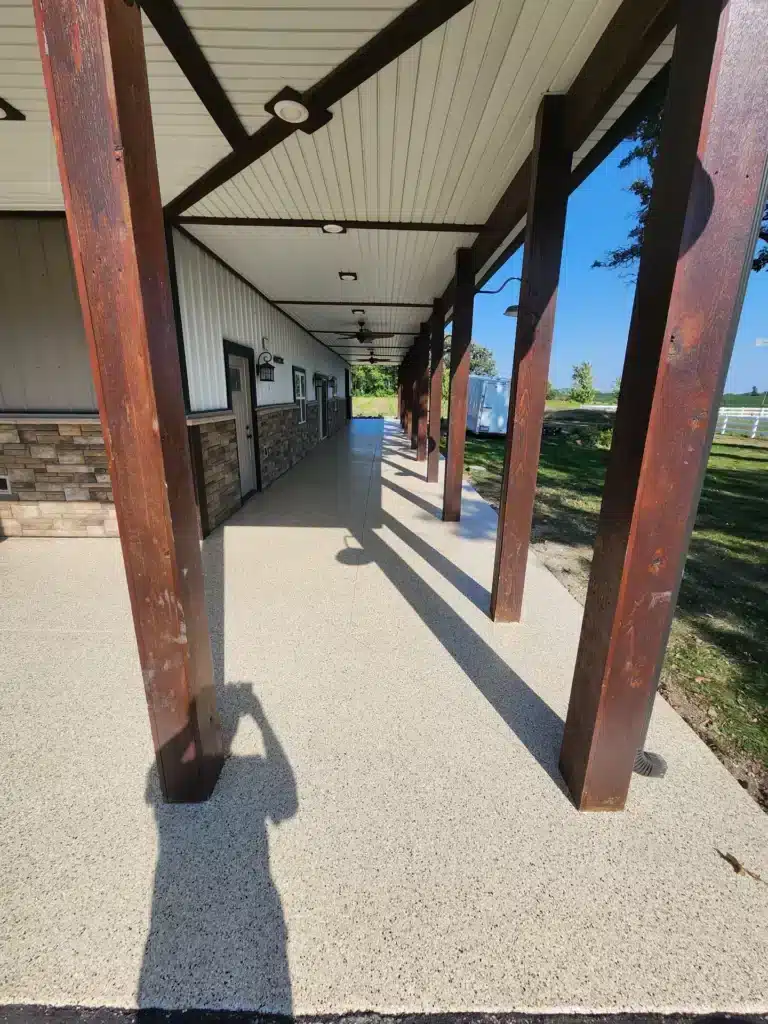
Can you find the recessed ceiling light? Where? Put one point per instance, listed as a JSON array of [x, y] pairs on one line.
[[334, 229], [347, 275], [359, 312], [291, 111]]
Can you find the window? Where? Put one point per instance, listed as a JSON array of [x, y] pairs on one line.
[[300, 392]]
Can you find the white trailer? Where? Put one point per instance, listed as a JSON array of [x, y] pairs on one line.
[[487, 404]]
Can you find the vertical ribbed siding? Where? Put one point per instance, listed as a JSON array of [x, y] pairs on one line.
[[216, 305]]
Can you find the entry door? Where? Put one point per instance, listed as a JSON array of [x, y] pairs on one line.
[[321, 393], [242, 406]]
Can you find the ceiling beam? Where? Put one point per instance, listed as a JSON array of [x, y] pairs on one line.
[[167, 20], [646, 101], [387, 334], [10, 112], [348, 225], [630, 39], [406, 30], [353, 303]]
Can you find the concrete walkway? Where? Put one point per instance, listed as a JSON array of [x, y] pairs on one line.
[[390, 832]]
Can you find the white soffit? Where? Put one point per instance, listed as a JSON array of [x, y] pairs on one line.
[[649, 71], [187, 140], [437, 134], [304, 263], [256, 47]]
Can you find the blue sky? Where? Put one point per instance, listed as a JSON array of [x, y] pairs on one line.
[[594, 306]]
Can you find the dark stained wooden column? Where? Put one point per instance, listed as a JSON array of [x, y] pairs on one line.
[[544, 230], [437, 335], [463, 305], [707, 201], [348, 392], [422, 392], [96, 81], [413, 395], [407, 392]]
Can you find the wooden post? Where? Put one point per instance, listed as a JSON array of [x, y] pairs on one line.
[[437, 328], [709, 190], [407, 392], [464, 299], [96, 81], [348, 392], [413, 395], [422, 392], [544, 230]]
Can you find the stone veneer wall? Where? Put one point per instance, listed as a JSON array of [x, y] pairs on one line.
[[220, 471], [283, 441], [59, 479]]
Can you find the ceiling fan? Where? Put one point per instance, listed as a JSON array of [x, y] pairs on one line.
[[371, 359], [363, 334]]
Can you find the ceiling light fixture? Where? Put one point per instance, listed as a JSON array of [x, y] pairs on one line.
[[291, 111], [333, 229], [347, 275], [358, 312], [290, 106], [511, 311]]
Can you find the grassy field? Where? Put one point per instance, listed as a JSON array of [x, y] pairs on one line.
[[366, 405], [716, 669]]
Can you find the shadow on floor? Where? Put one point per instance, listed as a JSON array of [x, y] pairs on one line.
[[217, 935]]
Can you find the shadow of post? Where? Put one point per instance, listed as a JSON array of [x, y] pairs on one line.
[[217, 935]]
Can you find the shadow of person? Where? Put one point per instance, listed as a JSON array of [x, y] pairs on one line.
[[217, 936]]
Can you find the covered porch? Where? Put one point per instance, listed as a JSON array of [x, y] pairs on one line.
[[390, 831]]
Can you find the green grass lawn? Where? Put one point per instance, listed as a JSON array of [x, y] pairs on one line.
[[716, 669], [366, 405]]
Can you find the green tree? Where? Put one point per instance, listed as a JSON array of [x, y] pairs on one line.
[[481, 359], [583, 388], [646, 148], [616, 388], [551, 391], [754, 392], [377, 381]]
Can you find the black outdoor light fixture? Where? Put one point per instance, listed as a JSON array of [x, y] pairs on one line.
[[264, 364], [290, 106], [333, 229], [347, 275], [514, 309]]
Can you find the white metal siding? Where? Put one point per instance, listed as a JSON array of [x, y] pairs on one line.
[[216, 305], [44, 364]]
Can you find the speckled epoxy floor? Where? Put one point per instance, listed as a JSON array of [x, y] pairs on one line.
[[390, 832]]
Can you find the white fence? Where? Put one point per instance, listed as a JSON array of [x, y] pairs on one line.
[[744, 422]]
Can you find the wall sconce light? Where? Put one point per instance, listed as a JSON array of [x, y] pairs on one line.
[[264, 364]]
